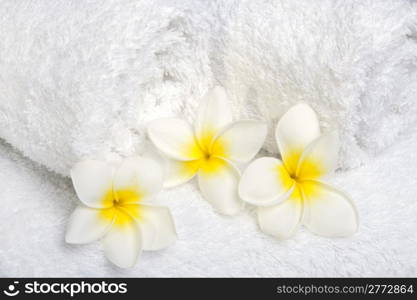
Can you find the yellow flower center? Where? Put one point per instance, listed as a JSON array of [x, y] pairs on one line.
[[208, 155], [122, 206], [292, 173]]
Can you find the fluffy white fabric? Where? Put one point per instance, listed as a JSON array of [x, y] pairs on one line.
[[354, 62], [82, 79], [37, 204]]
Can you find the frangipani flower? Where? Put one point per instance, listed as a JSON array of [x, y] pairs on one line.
[[212, 149], [292, 192], [118, 207]]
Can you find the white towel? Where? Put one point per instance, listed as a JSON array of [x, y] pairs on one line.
[[355, 62], [82, 79], [36, 206]]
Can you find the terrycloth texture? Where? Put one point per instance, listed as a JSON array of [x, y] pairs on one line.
[[353, 61], [81, 80], [36, 206]]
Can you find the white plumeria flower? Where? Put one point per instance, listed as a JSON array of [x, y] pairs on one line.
[[291, 192], [118, 207], [211, 150]]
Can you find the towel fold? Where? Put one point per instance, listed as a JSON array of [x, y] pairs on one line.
[[82, 79]]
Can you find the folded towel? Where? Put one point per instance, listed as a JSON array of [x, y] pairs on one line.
[[355, 62], [82, 79], [36, 206]]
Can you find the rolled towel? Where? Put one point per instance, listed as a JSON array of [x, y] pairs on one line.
[[354, 62], [82, 79]]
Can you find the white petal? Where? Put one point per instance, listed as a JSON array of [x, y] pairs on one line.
[[140, 175], [93, 182], [219, 186], [85, 226], [327, 211], [282, 220], [179, 172], [175, 138], [265, 182], [157, 227], [240, 141], [320, 157], [214, 113], [296, 129], [123, 244]]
